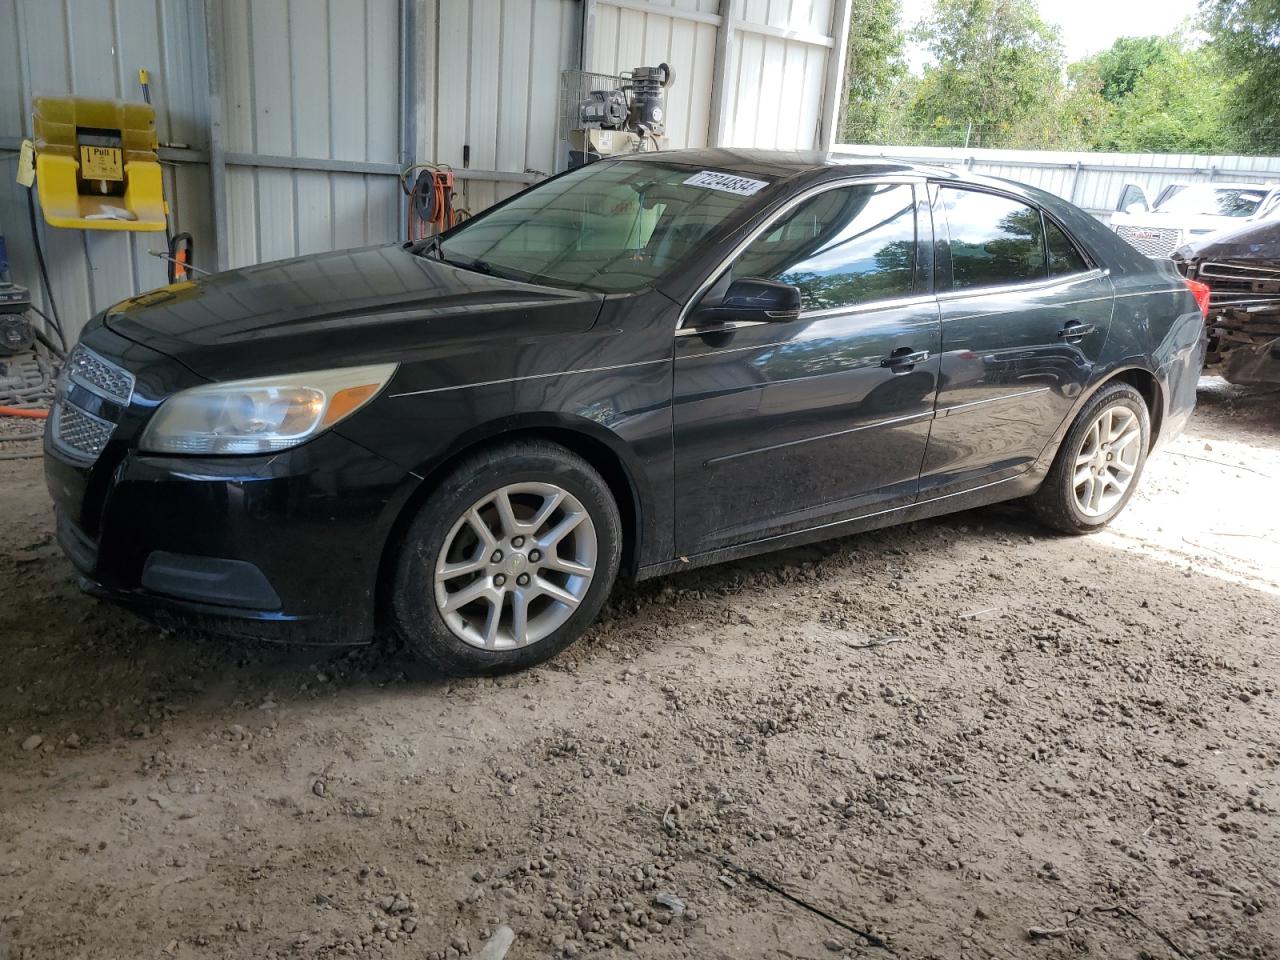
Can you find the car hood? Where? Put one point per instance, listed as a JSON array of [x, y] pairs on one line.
[[344, 308], [1255, 241]]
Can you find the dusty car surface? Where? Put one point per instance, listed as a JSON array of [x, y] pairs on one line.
[[1184, 213], [639, 366], [1242, 270]]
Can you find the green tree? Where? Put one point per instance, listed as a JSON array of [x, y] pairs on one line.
[[1119, 67], [875, 69], [1178, 104], [998, 65], [1080, 111], [1245, 36]]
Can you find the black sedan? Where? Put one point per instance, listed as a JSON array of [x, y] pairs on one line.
[[638, 367]]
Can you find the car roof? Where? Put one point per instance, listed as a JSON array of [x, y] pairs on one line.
[[803, 168], [786, 164]]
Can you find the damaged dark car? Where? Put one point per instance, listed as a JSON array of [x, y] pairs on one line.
[[1242, 271]]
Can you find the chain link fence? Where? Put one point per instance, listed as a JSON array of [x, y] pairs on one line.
[[1057, 135]]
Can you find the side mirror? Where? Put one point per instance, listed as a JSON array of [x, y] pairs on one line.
[[749, 300]]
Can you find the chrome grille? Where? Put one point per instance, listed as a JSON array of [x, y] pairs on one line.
[[103, 377], [78, 431], [1240, 284], [1153, 241]]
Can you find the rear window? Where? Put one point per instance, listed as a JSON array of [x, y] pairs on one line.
[[994, 240]]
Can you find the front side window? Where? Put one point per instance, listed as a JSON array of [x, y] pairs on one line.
[[994, 240], [843, 247], [612, 227]]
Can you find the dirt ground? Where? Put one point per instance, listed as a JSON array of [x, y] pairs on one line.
[[1070, 748]]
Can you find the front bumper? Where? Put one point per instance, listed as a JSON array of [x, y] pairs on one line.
[[283, 547]]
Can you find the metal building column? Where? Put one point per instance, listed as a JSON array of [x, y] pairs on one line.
[[833, 92], [408, 92], [721, 88], [587, 34], [217, 149]]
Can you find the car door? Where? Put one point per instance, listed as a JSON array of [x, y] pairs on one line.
[[1024, 318], [781, 426]]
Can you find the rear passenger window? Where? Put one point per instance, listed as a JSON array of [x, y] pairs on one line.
[[1063, 256], [994, 240], [845, 246]]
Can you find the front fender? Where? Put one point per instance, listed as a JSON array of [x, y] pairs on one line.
[[619, 418]]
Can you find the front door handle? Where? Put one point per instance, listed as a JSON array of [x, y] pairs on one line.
[[1075, 331], [903, 359]]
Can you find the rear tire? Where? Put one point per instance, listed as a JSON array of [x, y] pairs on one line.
[[509, 559], [1099, 463]]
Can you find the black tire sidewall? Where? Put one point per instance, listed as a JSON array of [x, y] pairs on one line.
[[414, 609], [1061, 483]]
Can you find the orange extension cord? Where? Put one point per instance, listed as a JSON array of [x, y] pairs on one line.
[[23, 412]]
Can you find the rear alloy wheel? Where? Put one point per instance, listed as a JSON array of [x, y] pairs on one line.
[[509, 559], [1099, 463], [1107, 461]]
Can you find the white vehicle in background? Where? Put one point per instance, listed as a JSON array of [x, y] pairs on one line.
[[1184, 212]]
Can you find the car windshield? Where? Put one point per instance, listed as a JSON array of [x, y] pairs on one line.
[[611, 227], [1214, 201]]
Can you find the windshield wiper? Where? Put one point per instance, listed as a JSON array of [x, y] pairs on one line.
[[427, 246], [479, 266], [430, 247]]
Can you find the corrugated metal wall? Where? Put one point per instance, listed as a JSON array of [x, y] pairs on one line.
[[775, 64], [491, 88], [1090, 180], [777, 81], [627, 38], [310, 80], [96, 49], [315, 101]]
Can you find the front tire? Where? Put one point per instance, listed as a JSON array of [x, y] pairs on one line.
[[510, 558], [1099, 463]]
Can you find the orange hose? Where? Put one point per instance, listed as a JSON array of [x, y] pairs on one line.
[[23, 412]]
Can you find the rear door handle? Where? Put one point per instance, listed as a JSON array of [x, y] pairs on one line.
[[1075, 330], [903, 359]]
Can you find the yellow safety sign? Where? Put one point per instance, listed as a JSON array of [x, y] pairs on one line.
[[101, 163]]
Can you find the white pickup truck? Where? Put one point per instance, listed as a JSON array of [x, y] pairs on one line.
[[1184, 212]]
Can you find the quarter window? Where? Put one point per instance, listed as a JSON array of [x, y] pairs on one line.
[[1064, 258], [994, 240], [842, 247]]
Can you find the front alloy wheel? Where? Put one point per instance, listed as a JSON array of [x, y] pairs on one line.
[[510, 557], [515, 566]]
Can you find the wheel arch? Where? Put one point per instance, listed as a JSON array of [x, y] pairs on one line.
[[1138, 377], [1146, 383], [594, 443]]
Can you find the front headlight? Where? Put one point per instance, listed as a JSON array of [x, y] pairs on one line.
[[259, 416]]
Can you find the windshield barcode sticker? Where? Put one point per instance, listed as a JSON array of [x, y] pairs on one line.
[[728, 182]]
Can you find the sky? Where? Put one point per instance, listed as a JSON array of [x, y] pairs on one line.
[[1086, 26]]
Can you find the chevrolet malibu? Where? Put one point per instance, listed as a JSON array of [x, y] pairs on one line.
[[638, 367]]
